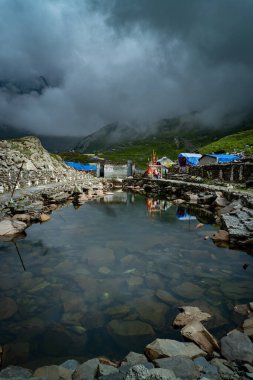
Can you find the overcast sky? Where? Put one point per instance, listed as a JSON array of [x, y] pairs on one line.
[[123, 60]]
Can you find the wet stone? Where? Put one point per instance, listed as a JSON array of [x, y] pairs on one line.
[[87, 370], [188, 290], [8, 308], [166, 297], [134, 358], [53, 372], [70, 364], [130, 328], [118, 311], [15, 371], [183, 367], [152, 312]]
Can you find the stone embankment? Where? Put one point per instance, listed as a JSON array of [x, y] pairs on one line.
[[233, 210], [201, 357]]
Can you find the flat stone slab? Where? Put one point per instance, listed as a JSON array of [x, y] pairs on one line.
[[168, 348]]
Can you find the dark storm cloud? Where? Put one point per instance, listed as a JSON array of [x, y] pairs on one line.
[[118, 60]]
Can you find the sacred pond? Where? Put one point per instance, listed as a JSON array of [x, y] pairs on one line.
[[108, 277]]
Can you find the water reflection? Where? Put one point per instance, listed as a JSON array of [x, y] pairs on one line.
[[107, 279]]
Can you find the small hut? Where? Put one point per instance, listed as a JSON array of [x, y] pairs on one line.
[[188, 159], [215, 159]]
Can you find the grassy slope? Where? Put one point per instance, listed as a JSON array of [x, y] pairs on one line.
[[172, 137], [238, 142]]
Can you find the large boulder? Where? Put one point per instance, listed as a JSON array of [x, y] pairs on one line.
[[161, 348], [237, 346], [10, 228]]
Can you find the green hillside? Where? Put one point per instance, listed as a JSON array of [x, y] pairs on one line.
[[235, 143], [168, 137]]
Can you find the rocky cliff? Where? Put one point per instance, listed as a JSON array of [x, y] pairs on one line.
[[38, 166]]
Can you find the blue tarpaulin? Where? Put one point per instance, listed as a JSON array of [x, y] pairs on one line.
[[191, 159], [78, 166], [223, 158]]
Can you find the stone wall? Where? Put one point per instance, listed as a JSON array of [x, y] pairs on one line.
[[233, 172]]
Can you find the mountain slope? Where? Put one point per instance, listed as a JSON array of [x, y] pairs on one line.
[[235, 143], [168, 137], [51, 143]]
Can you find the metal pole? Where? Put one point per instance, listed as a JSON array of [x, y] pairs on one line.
[[17, 180]]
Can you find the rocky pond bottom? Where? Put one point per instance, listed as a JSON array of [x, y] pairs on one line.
[[108, 278]]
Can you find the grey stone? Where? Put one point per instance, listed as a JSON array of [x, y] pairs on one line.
[[183, 367], [114, 376], [222, 367], [53, 372], [87, 370], [137, 372], [237, 346], [161, 374], [169, 348], [125, 368], [134, 358], [104, 370], [15, 371], [70, 364], [205, 367], [249, 375]]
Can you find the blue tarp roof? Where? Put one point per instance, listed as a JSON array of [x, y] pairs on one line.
[[78, 166], [222, 158], [192, 159]]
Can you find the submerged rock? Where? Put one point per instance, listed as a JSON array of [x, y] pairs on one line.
[[188, 290], [8, 308], [130, 328], [166, 297], [152, 312]]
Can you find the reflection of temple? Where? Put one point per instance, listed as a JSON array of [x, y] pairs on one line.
[[157, 205]]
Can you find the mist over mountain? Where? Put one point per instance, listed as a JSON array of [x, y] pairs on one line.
[[70, 67], [186, 132], [51, 143]]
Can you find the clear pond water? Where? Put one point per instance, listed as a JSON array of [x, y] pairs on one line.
[[108, 277]]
